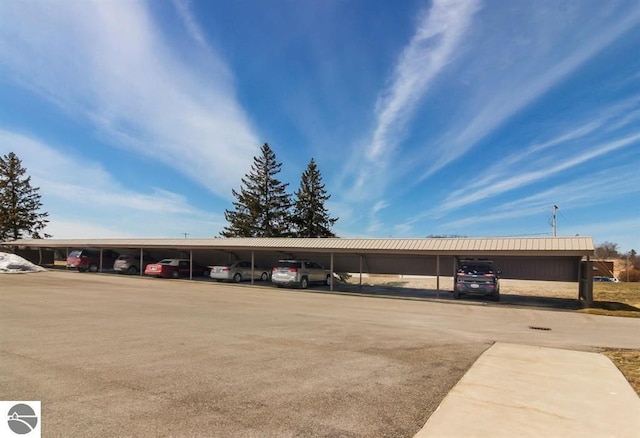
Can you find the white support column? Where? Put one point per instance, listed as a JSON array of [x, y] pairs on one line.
[[455, 269], [100, 270], [190, 264], [589, 288], [331, 279], [65, 260], [360, 270], [141, 262], [252, 265], [437, 276]]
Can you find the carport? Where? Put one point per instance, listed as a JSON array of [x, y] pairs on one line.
[[532, 258]]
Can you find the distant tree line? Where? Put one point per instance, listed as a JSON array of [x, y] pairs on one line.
[[264, 208], [20, 206], [445, 236], [631, 261]]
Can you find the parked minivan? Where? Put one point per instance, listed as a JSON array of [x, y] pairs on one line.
[[89, 259]]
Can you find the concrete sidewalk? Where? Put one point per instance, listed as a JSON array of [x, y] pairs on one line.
[[523, 391]]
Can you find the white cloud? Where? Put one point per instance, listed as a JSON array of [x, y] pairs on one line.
[[433, 45], [536, 59], [592, 190], [540, 160], [74, 188], [69, 229], [109, 62], [184, 10], [484, 189]]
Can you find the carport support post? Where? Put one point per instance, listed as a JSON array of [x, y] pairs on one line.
[[455, 269], [588, 289], [252, 262], [141, 262], [190, 264], [360, 270], [331, 280], [100, 259], [65, 260], [437, 276]]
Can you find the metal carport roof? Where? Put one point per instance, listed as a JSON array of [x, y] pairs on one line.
[[489, 246], [540, 258]]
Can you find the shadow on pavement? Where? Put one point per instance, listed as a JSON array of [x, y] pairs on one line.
[[396, 290]]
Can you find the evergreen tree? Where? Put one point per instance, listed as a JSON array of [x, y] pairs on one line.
[[310, 216], [19, 202], [262, 207]]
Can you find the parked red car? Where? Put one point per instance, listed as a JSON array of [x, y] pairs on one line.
[[174, 268], [89, 259]]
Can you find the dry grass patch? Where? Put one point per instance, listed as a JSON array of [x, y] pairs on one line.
[[615, 299], [628, 362]]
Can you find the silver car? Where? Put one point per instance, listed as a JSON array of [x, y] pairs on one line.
[[237, 272], [299, 273], [130, 264]]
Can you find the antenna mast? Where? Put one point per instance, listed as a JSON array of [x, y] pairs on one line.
[[554, 221]]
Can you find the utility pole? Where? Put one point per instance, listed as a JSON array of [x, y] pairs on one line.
[[554, 221], [185, 235]]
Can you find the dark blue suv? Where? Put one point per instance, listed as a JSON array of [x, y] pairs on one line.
[[476, 277]]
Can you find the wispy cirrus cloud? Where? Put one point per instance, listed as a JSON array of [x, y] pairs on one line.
[[434, 44], [183, 7], [609, 131], [546, 58], [586, 140], [81, 192], [110, 63], [462, 197], [595, 189]]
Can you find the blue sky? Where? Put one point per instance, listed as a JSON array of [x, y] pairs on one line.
[[463, 117]]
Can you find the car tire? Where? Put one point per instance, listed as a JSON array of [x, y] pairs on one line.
[[304, 283], [495, 296], [132, 270], [264, 276], [237, 278], [82, 270], [328, 280], [93, 267], [175, 274], [456, 295]]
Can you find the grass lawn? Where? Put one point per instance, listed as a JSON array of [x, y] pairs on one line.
[[615, 299], [628, 362], [620, 299]]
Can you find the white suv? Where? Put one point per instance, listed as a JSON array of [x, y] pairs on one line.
[[299, 273]]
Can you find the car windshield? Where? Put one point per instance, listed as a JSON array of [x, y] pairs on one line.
[[476, 269], [165, 262], [288, 264], [75, 253]]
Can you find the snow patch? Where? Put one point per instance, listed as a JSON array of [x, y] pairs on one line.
[[14, 264]]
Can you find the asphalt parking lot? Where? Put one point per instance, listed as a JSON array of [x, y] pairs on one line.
[[125, 356]]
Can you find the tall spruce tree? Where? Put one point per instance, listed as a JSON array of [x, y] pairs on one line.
[[20, 204], [262, 207], [310, 216]]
